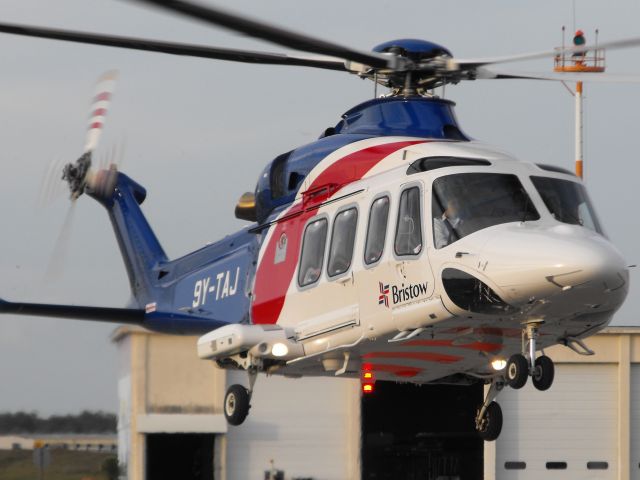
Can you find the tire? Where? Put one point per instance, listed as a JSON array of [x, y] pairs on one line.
[[517, 371], [543, 374], [491, 424], [236, 404]]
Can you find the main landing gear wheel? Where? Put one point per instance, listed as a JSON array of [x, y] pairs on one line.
[[489, 415], [236, 404], [517, 371], [543, 373], [490, 424]]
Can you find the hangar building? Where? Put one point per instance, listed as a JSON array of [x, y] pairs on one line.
[[171, 422]]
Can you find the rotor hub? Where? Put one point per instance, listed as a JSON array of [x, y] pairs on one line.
[[414, 49], [425, 66]]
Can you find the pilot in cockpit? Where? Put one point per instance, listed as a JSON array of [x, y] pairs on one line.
[[446, 226]]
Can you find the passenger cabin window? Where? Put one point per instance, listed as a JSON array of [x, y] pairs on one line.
[[409, 229], [567, 201], [342, 240], [315, 236], [467, 202], [376, 230]]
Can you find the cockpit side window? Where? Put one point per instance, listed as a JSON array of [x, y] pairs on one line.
[[312, 256], [408, 239], [376, 230], [467, 202], [567, 201], [342, 241]]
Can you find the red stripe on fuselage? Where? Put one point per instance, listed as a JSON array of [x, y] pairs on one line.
[[479, 346], [424, 356], [273, 279], [397, 370], [488, 331]]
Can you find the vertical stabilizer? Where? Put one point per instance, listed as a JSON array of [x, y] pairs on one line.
[[139, 246]]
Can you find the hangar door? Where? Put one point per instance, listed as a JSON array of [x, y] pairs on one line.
[[414, 432], [635, 422], [567, 432], [180, 456]]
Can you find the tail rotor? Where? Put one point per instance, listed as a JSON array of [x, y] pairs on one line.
[[79, 174]]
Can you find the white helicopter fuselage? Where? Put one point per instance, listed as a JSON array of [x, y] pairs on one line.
[[417, 309]]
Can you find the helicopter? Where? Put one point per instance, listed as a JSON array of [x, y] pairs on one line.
[[402, 305]]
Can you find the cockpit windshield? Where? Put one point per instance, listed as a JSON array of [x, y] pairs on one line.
[[467, 202], [567, 201]]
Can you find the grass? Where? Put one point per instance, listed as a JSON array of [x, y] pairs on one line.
[[65, 465]]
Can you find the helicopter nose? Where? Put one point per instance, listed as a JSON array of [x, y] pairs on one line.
[[533, 263]]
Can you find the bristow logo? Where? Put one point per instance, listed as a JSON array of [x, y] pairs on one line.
[[384, 295], [402, 294]]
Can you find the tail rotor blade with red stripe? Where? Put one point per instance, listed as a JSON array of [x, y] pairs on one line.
[[99, 109]]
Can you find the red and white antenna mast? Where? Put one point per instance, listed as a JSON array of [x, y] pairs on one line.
[[585, 62]]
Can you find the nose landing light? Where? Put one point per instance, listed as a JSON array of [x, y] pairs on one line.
[[498, 364]]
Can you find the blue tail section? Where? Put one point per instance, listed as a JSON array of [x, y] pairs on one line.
[[140, 248], [196, 293]]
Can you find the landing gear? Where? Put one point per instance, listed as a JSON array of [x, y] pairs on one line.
[[491, 423], [543, 373], [237, 400], [236, 404], [520, 366], [517, 371], [489, 416]]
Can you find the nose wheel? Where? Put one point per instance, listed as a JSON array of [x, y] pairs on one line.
[[521, 366], [543, 373], [517, 371]]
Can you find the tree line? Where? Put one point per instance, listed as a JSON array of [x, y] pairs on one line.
[[31, 422]]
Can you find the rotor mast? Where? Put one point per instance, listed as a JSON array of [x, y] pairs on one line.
[[585, 62]]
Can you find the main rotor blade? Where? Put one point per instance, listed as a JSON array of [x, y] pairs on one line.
[[614, 45], [486, 74], [172, 48], [169, 321], [273, 34], [101, 314]]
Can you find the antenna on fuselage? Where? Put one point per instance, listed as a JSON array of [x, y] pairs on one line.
[[584, 62]]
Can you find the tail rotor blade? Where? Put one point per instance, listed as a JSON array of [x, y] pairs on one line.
[[46, 185], [51, 187], [77, 174], [99, 108], [119, 157], [60, 252]]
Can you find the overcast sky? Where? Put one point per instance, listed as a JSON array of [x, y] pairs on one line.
[[198, 132]]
